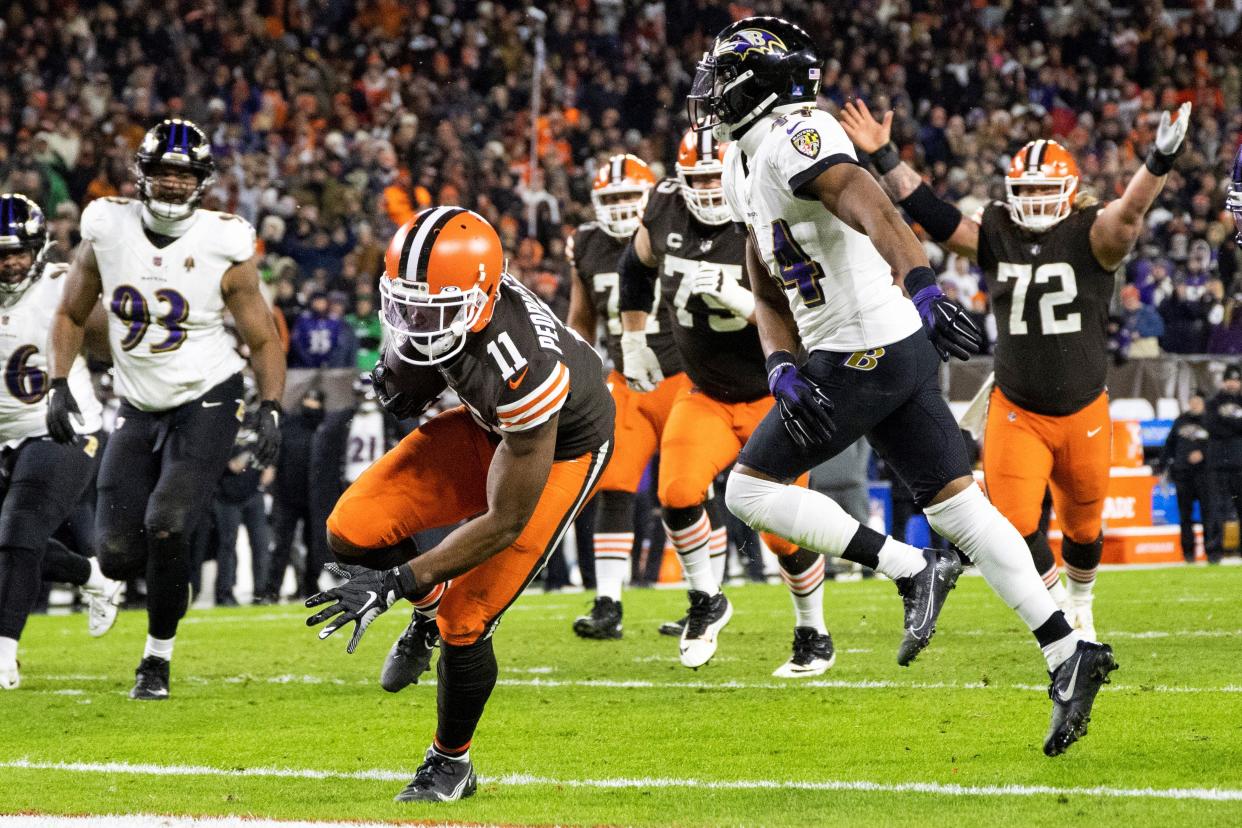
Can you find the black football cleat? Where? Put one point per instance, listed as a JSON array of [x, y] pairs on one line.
[[1074, 685], [673, 628], [708, 615], [410, 655], [813, 655], [604, 621], [924, 594], [150, 680], [440, 779]]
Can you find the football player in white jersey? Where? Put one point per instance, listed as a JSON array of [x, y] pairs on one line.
[[41, 481], [824, 247], [167, 272]]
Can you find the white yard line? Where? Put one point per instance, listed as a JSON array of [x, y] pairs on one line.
[[159, 821], [644, 783]]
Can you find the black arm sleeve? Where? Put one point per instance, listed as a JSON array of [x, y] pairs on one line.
[[938, 217], [637, 281]]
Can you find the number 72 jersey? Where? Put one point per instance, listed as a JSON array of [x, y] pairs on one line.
[[1051, 299], [165, 305]]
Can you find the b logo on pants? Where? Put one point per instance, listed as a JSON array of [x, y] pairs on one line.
[[865, 360]]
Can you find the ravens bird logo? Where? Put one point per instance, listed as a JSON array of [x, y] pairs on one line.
[[752, 40]]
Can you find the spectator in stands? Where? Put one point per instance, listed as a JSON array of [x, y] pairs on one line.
[[1184, 460], [1185, 314], [368, 333], [1223, 418], [291, 503], [1141, 325], [319, 339]]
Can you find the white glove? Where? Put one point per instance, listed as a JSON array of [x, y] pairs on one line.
[[720, 291], [1170, 133], [640, 365]]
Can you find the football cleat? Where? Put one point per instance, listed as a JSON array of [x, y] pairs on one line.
[[813, 654], [604, 622], [440, 779], [1081, 618], [150, 680], [923, 594], [674, 628], [10, 675], [1074, 685], [707, 617], [103, 597], [410, 655]]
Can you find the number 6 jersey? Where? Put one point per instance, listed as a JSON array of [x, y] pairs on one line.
[[24, 328], [165, 306]]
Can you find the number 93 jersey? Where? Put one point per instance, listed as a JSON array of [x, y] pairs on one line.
[[165, 305], [839, 287], [24, 328], [1051, 300]]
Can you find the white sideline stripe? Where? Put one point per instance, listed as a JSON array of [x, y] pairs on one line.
[[160, 821], [522, 779], [645, 684]]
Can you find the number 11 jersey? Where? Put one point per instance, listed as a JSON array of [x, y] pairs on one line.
[[165, 305]]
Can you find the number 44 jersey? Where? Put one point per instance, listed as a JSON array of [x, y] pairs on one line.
[[1051, 300], [165, 305], [24, 328]]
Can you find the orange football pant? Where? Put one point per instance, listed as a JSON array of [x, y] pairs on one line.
[[640, 423], [437, 476]]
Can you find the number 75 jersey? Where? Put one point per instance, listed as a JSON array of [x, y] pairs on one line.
[[165, 305], [839, 287]]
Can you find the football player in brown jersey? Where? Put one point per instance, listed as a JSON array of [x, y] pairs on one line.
[[1049, 254], [516, 462], [686, 243], [618, 194]]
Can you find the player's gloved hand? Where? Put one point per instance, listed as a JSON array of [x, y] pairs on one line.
[[267, 434], [640, 365], [364, 596], [805, 409], [719, 290], [948, 326], [62, 409], [1170, 136]]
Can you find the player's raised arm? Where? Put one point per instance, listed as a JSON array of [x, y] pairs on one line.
[[637, 272], [942, 220], [1119, 223], [240, 287]]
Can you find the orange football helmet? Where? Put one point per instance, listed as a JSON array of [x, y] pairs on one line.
[[442, 273], [700, 161], [1050, 170], [619, 194]]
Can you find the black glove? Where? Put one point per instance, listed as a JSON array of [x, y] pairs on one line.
[[805, 409], [399, 405], [948, 326], [62, 408], [364, 596], [267, 434]]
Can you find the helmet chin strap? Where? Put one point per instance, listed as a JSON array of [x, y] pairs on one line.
[[165, 226]]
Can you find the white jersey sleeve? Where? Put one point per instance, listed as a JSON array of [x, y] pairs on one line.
[[236, 236], [815, 142], [103, 219]]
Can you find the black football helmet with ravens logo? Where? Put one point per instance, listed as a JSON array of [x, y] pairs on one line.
[[23, 245], [755, 65], [173, 145]]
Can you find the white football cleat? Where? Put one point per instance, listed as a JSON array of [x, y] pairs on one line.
[[10, 678], [103, 596], [1081, 618], [813, 655], [707, 617]]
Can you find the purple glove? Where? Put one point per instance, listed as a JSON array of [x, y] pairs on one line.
[[948, 326], [806, 411]]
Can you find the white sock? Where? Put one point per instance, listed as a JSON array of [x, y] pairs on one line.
[[807, 591], [429, 604], [692, 544], [159, 647], [8, 650], [465, 757], [1059, 650], [1058, 593], [1081, 584], [717, 548], [969, 520], [612, 562], [900, 560], [96, 581]]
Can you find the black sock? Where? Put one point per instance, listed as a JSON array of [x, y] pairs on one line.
[[864, 548], [1041, 553], [1083, 556], [1052, 630], [467, 675], [678, 519], [168, 584], [798, 562], [64, 567], [19, 588]]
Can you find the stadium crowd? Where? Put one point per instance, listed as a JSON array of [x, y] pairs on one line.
[[336, 120]]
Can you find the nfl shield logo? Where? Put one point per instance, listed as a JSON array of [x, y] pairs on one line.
[[807, 142], [157, 260]]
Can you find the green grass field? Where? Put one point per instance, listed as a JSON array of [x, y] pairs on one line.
[[619, 733]]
